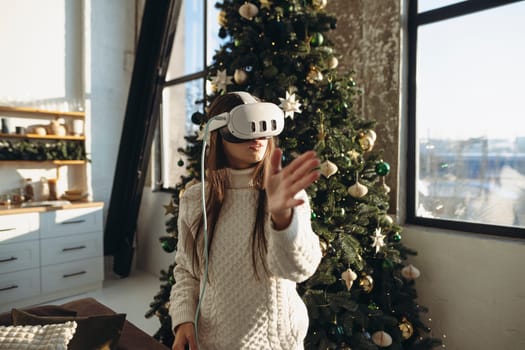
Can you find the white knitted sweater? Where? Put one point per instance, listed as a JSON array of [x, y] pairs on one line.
[[239, 311]]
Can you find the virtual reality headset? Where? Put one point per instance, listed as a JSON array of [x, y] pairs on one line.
[[249, 121]]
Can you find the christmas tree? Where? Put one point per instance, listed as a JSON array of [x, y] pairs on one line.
[[363, 294]]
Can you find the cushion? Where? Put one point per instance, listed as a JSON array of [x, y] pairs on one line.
[[93, 332], [49, 337], [44, 310]]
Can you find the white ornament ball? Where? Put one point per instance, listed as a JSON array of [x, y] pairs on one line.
[[382, 339], [388, 219], [410, 272], [386, 188], [248, 10], [358, 190], [372, 134], [327, 168], [349, 277], [333, 62]]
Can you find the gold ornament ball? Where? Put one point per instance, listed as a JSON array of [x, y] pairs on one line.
[[406, 328], [382, 339], [319, 4], [314, 75], [248, 10], [222, 18], [240, 76], [367, 143], [366, 282]]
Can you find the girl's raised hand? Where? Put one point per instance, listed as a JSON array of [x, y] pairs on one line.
[[283, 184]]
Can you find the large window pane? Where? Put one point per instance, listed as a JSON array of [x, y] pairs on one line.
[[471, 142], [427, 5], [212, 37], [187, 53], [178, 104]]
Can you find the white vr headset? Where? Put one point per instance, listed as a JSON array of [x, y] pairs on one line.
[[249, 121]]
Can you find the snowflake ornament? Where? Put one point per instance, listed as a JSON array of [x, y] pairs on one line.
[[378, 239], [222, 80], [289, 105]]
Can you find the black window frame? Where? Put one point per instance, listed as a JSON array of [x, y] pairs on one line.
[[158, 185], [415, 20]]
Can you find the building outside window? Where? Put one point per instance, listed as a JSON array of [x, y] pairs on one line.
[[466, 111]]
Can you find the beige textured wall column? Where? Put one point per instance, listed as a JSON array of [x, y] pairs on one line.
[[368, 41]]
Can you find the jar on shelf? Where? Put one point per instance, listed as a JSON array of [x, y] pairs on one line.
[[52, 184], [44, 189], [29, 191]]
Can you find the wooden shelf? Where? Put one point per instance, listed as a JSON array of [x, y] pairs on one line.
[[41, 113], [42, 137]]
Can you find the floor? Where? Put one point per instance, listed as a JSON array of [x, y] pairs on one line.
[[130, 295]]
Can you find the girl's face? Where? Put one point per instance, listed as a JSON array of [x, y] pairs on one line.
[[245, 155]]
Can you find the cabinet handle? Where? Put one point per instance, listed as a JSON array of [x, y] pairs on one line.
[[74, 274], [7, 229], [73, 248], [72, 222], [8, 288], [13, 258]]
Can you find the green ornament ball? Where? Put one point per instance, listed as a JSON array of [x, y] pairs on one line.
[[388, 264], [382, 168], [197, 118], [180, 162], [314, 215], [396, 237], [168, 245], [270, 72], [373, 306], [317, 39]]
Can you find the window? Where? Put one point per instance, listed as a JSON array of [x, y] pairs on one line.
[[466, 139], [195, 42]]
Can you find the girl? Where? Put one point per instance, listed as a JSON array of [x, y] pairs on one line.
[[260, 245]]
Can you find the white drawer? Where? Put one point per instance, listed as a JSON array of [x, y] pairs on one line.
[[70, 248], [72, 274], [71, 221], [19, 227], [19, 285], [19, 256]]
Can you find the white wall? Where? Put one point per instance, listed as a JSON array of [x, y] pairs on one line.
[[474, 287], [112, 53]]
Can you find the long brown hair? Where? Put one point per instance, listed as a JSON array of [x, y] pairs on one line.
[[216, 172]]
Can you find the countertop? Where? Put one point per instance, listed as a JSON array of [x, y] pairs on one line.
[[17, 209]]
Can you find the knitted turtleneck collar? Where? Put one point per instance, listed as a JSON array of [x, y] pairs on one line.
[[241, 178]]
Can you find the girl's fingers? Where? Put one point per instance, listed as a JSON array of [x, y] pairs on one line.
[[298, 162], [304, 170], [275, 160], [304, 182]]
